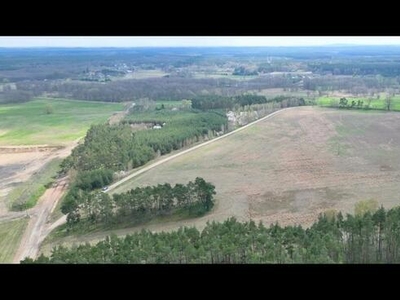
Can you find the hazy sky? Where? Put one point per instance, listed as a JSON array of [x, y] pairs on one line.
[[165, 41]]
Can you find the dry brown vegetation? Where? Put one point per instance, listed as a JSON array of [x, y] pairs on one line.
[[289, 168]]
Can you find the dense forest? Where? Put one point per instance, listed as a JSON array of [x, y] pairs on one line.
[[361, 238], [83, 208], [177, 88], [119, 147], [163, 88]]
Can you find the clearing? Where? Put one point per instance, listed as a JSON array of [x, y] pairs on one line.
[[288, 168]]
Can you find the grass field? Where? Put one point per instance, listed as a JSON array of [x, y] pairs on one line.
[[10, 237], [29, 124], [375, 103]]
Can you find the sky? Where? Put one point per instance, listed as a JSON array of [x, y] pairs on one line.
[[196, 41]]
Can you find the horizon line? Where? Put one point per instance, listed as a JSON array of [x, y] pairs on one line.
[[202, 46]]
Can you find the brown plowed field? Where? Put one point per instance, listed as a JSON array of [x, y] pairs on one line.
[[292, 167]]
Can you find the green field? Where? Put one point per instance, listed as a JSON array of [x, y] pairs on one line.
[[30, 124], [10, 237], [375, 103]]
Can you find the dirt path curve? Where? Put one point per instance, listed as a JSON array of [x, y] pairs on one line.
[[38, 225], [37, 228], [113, 186]]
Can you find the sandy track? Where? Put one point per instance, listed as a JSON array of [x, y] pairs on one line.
[[21, 166], [38, 226], [18, 167]]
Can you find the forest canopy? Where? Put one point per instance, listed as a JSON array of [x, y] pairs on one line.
[[361, 238]]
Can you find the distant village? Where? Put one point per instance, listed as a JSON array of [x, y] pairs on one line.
[[105, 74]]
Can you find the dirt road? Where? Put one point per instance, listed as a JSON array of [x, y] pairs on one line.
[[19, 163], [38, 226]]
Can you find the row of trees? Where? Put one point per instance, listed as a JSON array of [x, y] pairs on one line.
[[195, 198], [344, 103], [361, 238], [15, 96], [216, 101], [386, 104], [240, 116]]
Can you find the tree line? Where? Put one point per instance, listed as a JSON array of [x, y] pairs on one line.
[[333, 238], [162, 88], [15, 96], [82, 207], [218, 102], [387, 68], [361, 85]]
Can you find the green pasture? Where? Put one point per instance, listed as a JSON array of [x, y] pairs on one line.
[[51, 121], [375, 103]]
